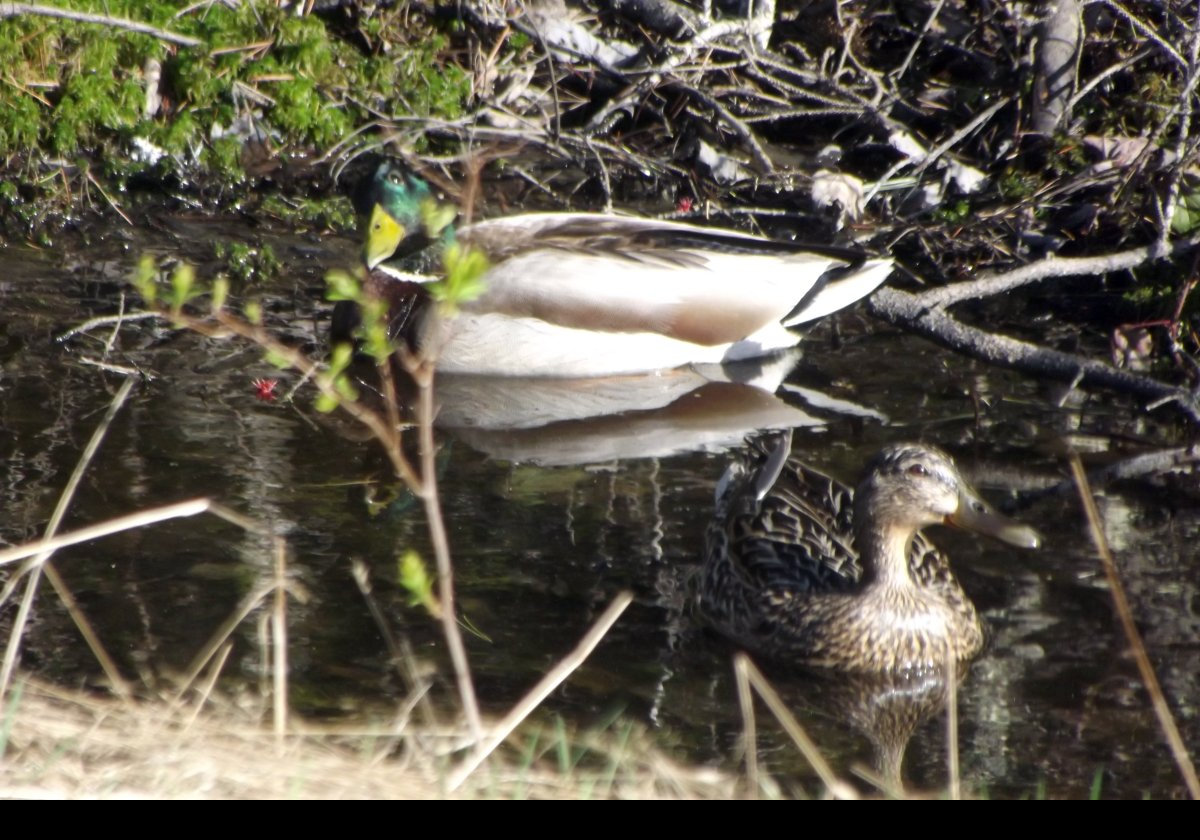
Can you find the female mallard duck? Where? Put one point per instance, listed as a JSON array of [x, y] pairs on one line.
[[800, 566], [585, 294]]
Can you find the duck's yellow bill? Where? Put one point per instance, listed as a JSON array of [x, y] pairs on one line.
[[384, 235]]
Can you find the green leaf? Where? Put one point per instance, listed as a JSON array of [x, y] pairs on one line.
[[340, 357], [1187, 214], [345, 388], [325, 403], [278, 360], [145, 279], [436, 218], [254, 312], [220, 291], [464, 269], [342, 285], [376, 343], [182, 280], [417, 582]]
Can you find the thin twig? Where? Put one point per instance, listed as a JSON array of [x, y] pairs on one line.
[[43, 558], [552, 679], [422, 372], [11, 9], [992, 284], [279, 640], [1166, 720], [770, 696], [1183, 108], [1147, 30], [908, 311], [108, 198], [200, 661], [749, 734], [128, 522], [952, 725], [120, 370], [903, 68], [206, 688]]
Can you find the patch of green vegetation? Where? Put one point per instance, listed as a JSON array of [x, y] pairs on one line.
[[78, 89], [1147, 295], [1069, 158], [1187, 211], [953, 213], [247, 263], [1015, 185], [336, 213]]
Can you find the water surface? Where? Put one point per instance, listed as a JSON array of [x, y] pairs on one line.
[[547, 524]]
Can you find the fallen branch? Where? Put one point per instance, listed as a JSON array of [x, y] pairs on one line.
[[913, 313], [13, 9], [1175, 459], [992, 284]]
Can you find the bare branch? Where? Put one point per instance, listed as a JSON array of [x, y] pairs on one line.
[[992, 284], [1059, 37], [13, 9], [911, 312]]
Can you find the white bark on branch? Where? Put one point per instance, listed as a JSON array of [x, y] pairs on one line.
[[992, 284], [13, 9], [1059, 37]]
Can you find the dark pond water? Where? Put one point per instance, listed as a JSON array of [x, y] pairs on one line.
[[548, 523]]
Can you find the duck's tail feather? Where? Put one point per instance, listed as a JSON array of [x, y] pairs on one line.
[[837, 289]]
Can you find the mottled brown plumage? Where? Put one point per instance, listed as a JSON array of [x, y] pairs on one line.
[[800, 566]]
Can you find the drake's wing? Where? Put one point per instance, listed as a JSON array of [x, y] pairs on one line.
[[610, 273]]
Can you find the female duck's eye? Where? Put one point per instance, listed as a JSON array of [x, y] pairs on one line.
[[918, 469]]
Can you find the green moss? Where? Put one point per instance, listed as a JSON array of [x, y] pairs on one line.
[[21, 126], [246, 263], [335, 213], [1017, 185], [955, 212], [74, 89], [224, 156]]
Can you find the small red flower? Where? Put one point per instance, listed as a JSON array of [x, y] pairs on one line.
[[264, 389], [685, 204]]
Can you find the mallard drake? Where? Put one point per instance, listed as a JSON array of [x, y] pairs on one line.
[[587, 294], [800, 566]]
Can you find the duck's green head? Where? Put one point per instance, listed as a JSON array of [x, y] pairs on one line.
[[405, 215]]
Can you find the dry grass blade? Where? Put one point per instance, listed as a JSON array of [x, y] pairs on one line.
[[553, 678], [952, 727], [279, 663], [835, 786], [248, 604], [1165, 719], [749, 733], [41, 562], [140, 519], [67, 744]]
